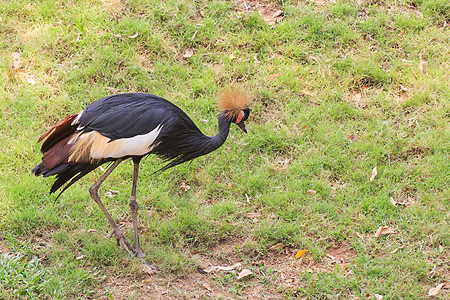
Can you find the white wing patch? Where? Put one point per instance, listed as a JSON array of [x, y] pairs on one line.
[[77, 119], [93, 146]]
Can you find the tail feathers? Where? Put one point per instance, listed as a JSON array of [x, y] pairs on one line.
[[39, 169], [70, 173], [58, 132], [57, 170], [56, 148]]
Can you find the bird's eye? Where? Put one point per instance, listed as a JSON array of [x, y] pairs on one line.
[[246, 113]]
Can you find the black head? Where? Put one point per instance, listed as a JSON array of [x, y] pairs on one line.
[[240, 119]]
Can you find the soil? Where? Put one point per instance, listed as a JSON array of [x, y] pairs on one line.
[[273, 270]]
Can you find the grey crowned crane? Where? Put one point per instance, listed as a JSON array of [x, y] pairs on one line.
[[132, 125]]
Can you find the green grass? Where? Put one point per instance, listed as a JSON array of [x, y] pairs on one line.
[[348, 69]]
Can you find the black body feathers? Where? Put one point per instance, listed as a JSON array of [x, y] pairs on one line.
[[126, 116]]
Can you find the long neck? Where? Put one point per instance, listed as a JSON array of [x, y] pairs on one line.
[[192, 143], [220, 138]]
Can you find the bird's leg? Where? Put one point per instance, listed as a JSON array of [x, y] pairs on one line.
[[134, 206], [93, 190]]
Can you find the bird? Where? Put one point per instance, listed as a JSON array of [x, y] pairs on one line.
[[131, 126]]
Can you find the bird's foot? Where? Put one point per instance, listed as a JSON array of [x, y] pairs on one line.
[[122, 241], [152, 268], [139, 253]]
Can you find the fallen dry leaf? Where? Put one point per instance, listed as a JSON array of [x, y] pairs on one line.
[[80, 257], [402, 200], [92, 230], [255, 58], [360, 236], [44, 256], [111, 193], [393, 202], [277, 13], [253, 215], [269, 15], [349, 273], [184, 187], [147, 269], [311, 192], [32, 81], [205, 286], [335, 260], [244, 273], [232, 57], [403, 89], [384, 230], [283, 161], [188, 53], [396, 249], [272, 77], [422, 63], [133, 36], [308, 93], [434, 291], [319, 2], [300, 253], [378, 296], [312, 58], [277, 246], [16, 58], [373, 174], [220, 268], [271, 18]]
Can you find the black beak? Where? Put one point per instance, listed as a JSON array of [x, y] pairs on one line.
[[242, 126]]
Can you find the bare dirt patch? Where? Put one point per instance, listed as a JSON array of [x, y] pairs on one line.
[[290, 267], [269, 12], [269, 272], [162, 286], [3, 247], [358, 99]]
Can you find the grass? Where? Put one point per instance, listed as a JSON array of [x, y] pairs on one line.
[[360, 85]]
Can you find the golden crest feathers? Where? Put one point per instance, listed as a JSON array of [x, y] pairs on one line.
[[232, 100]]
